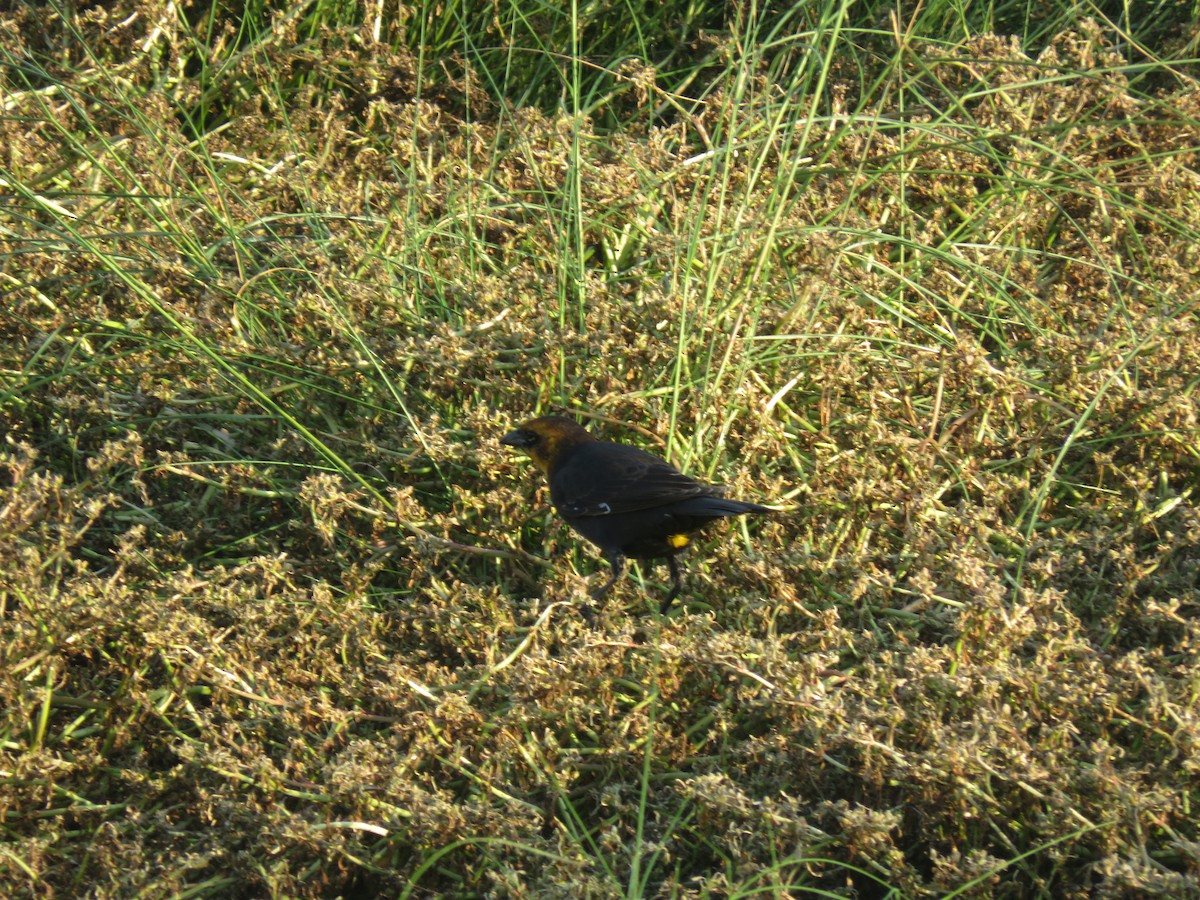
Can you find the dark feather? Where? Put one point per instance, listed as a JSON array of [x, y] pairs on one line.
[[627, 502], [599, 479]]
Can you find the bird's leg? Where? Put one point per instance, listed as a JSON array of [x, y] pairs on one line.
[[676, 585], [617, 561]]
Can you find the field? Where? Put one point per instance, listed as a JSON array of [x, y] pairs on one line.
[[280, 617]]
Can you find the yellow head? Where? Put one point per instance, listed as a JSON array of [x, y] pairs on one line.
[[545, 438]]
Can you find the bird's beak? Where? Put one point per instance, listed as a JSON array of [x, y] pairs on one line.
[[517, 438]]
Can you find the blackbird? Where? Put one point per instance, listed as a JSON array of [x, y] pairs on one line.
[[629, 503]]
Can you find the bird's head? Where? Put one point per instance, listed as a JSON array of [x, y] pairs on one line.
[[545, 439]]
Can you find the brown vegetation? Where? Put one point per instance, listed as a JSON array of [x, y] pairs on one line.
[[275, 610]]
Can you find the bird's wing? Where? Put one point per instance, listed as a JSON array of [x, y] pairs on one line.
[[601, 479]]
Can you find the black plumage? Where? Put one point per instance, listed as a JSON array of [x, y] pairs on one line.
[[629, 503]]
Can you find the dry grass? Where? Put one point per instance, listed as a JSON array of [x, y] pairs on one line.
[[280, 617]]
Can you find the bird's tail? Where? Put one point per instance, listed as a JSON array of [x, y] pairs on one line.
[[718, 506]]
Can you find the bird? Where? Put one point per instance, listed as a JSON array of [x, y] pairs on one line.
[[629, 503]]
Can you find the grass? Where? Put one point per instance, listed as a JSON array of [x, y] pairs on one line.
[[280, 617]]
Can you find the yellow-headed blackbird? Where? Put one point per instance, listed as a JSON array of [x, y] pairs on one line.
[[627, 502]]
